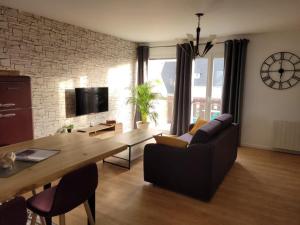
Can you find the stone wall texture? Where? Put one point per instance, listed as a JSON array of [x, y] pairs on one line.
[[59, 56]]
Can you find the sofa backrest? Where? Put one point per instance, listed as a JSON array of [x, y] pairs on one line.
[[225, 119], [211, 129]]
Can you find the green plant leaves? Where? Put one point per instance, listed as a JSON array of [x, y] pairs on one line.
[[143, 98]]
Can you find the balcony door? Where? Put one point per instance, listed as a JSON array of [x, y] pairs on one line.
[[207, 86], [162, 73]]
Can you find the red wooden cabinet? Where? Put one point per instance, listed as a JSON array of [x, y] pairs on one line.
[[15, 110]]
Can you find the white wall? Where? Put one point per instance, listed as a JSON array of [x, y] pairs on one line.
[[263, 105]]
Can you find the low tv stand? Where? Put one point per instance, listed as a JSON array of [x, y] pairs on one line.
[[102, 130]]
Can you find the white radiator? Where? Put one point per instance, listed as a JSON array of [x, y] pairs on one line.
[[286, 135]]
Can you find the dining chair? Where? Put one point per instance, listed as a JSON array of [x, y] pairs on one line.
[[34, 216], [13, 212], [73, 189]]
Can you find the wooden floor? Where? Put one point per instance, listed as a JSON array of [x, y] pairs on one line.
[[262, 188]]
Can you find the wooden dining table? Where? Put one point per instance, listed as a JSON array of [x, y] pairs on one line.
[[75, 151]]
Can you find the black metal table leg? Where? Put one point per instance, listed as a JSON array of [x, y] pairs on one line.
[[125, 159], [48, 219], [92, 204], [129, 157]]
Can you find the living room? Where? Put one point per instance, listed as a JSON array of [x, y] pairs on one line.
[[246, 64]]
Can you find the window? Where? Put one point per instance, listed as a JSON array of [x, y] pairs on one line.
[[163, 73], [207, 85], [217, 87], [199, 81]]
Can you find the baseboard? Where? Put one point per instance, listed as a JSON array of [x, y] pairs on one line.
[[263, 147]]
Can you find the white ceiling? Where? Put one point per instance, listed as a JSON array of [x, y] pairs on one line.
[[167, 20]]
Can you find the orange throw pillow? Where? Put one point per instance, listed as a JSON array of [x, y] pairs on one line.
[[199, 123], [171, 141]]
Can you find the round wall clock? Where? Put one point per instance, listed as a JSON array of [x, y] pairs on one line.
[[281, 70]]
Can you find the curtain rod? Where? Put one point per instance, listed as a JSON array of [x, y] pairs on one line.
[[169, 46]]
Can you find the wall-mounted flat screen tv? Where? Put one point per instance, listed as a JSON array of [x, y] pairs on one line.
[[91, 100]]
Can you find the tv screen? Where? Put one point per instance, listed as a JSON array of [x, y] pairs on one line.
[[91, 100]]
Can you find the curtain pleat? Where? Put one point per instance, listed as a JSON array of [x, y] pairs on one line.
[[234, 70], [182, 95]]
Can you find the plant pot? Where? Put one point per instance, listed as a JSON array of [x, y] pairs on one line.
[[69, 130], [142, 125]]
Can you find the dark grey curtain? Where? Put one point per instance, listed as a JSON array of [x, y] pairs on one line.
[[182, 95], [142, 58], [142, 71], [234, 70]]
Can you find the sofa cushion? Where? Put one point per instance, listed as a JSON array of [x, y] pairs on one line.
[[186, 137], [207, 132], [171, 141], [225, 119]]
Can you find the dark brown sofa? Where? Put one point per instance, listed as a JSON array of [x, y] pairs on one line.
[[198, 170]]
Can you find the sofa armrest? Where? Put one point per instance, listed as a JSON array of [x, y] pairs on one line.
[[158, 156], [184, 170], [193, 159], [224, 153]]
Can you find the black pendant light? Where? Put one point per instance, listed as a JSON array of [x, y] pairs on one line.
[[198, 34], [208, 45]]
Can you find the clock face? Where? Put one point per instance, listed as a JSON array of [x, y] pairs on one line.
[[281, 70]]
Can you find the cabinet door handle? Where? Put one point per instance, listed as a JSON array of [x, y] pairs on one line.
[[7, 105], [13, 88], [7, 115]]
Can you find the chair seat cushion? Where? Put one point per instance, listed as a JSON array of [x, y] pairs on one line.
[[186, 137], [41, 203]]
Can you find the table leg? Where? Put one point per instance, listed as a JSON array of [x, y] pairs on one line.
[[48, 219], [129, 158], [126, 159], [92, 204], [47, 186]]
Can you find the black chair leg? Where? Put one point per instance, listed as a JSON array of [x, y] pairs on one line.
[[48, 219], [92, 204]]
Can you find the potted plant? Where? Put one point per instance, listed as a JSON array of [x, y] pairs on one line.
[[69, 128], [143, 98]]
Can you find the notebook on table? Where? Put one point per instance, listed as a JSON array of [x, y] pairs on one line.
[[35, 155]]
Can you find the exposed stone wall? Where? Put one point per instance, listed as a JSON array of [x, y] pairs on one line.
[[59, 56]]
